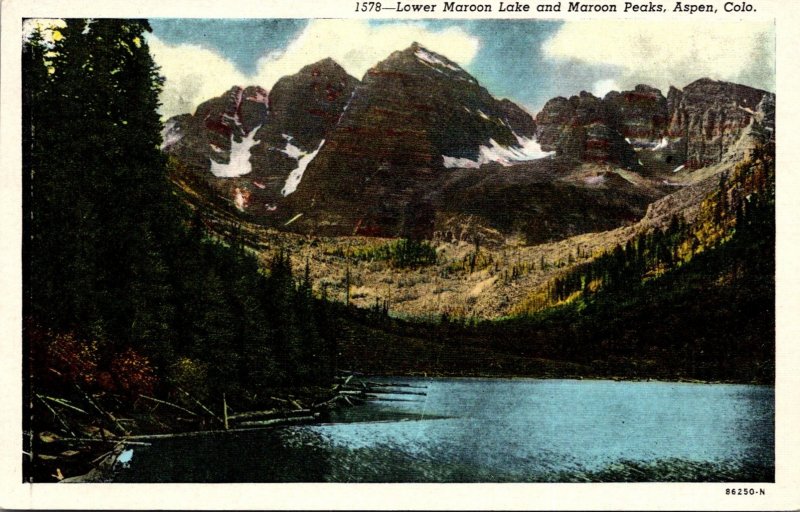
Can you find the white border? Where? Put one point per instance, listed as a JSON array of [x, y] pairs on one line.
[[784, 494]]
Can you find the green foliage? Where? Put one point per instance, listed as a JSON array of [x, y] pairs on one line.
[[698, 299], [649, 255], [114, 257]]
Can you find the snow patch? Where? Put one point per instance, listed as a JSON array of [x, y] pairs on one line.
[[239, 161], [296, 175], [293, 151], [452, 162], [662, 144], [430, 58], [527, 150], [433, 62]]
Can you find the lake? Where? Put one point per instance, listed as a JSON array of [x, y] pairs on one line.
[[497, 430]]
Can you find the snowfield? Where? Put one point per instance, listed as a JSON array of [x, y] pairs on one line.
[[527, 150], [296, 175], [239, 161]]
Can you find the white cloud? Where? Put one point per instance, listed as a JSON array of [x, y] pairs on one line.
[[601, 87], [357, 46], [194, 74], [670, 53]]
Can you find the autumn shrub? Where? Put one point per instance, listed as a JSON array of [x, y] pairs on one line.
[[133, 372], [73, 360]]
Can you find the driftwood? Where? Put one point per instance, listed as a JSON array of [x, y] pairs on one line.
[[396, 392], [269, 414], [328, 403], [279, 421], [110, 440], [56, 415], [197, 433], [294, 403], [384, 399], [64, 403], [391, 385], [170, 404], [198, 402], [102, 412]]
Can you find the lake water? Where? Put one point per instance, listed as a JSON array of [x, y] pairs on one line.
[[497, 430]]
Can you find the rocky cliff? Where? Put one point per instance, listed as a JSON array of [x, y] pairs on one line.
[[689, 129], [708, 117], [585, 128]]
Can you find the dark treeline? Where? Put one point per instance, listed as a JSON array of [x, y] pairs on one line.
[[123, 289]]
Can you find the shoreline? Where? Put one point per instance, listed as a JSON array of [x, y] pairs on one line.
[[348, 392], [587, 377]]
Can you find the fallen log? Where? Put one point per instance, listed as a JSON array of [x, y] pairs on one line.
[[279, 421], [55, 415], [64, 403], [294, 403], [396, 392], [268, 414], [384, 399], [392, 385], [351, 392], [103, 412], [110, 440], [328, 403], [200, 433], [170, 404], [198, 402]]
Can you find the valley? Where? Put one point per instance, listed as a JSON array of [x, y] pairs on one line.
[[278, 254], [429, 204]]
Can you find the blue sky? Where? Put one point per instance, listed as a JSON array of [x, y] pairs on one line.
[[527, 61]]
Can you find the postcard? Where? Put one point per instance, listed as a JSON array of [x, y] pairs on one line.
[[399, 255]]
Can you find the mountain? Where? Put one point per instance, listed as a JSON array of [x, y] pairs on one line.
[[689, 129], [413, 115], [216, 126], [251, 146], [418, 148]]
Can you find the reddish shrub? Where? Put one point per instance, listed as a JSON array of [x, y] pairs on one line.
[[133, 372], [74, 360]]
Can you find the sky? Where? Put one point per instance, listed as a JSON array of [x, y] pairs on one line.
[[527, 61]]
